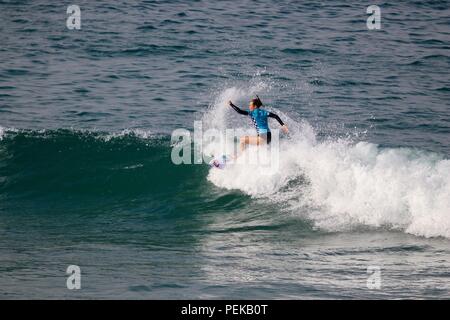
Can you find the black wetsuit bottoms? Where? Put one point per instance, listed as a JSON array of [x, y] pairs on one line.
[[266, 136]]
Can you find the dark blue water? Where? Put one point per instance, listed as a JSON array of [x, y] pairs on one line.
[[86, 176]]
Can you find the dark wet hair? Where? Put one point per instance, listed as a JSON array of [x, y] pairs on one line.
[[257, 102]]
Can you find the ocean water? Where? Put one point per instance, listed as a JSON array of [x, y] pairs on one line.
[[86, 176]]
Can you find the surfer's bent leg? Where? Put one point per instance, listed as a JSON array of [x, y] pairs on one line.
[[254, 140]]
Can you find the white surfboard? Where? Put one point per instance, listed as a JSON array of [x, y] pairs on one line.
[[220, 162]]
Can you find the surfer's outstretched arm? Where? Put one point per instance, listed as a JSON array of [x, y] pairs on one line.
[[238, 110], [276, 117]]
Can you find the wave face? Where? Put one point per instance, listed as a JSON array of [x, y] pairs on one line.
[[340, 184]]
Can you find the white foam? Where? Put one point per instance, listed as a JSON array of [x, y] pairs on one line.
[[141, 133], [4, 131], [340, 185]]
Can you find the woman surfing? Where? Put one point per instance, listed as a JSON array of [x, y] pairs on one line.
[[260, 121]]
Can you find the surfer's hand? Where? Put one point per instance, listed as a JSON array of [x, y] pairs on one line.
[[285, 129], [230, 103]]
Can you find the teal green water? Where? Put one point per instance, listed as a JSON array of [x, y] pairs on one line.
[[86, 176], [141, 227]]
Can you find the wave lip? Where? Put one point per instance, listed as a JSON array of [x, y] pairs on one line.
[[143, 134], [140, 133]]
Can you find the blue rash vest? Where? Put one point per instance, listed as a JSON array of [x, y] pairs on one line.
[[260, 121]]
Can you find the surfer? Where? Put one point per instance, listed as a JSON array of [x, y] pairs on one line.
[[260, 121]]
